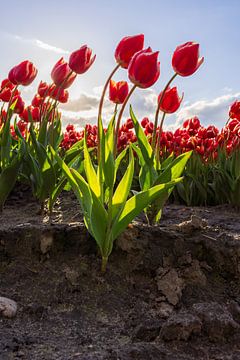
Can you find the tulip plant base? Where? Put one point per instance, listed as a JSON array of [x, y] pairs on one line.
[[170, 292]]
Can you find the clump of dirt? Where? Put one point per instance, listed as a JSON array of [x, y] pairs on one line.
[[170, 292]]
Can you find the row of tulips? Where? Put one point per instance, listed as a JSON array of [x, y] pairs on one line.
[[115, 173]]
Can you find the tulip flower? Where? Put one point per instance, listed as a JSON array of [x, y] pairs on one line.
[[144, 68], [23, 74], [234, 112], [43, 89], [128, 47], [81, 60], [185, 60], [118, 91], [170, 101], [5, 94], [19, 104], [30, 114], [6, 83], [59, 94], [62, 75], [37, 101]]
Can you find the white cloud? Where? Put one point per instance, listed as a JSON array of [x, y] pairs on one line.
[[84, 109], [213, 111], [40, 44]]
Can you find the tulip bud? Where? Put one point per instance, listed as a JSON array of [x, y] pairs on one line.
[[80, 60], [23, 74], [234, 111], [144, 68], [170, 101], [43, 89], [6, 83], [118, 91], [5, 94], [37, 101], [62, 75], [19, 105], [144, 122], [30, 114], [59, 94], [185, 60], [128, 47]]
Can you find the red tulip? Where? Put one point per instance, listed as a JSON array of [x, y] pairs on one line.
[[5, 94], [234, 112], [170, 102], [43, 89], [185, 60], [30, 114], [6, 83], [144, 122], [62, 75], [23, 74], [19, 106], [118, 91], [80, 60], [37, 101], [59, 94], [128, 47], [144, 68]]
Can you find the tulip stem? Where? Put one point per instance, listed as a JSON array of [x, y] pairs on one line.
[[120, 117], [157, 112], [159, 141]]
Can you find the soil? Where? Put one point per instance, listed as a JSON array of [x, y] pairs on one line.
[[170, 292]]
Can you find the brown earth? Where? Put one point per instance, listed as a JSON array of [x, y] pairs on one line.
[[171, 292]]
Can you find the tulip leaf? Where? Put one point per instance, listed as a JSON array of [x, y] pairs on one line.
[[137, 203], [123, 189]]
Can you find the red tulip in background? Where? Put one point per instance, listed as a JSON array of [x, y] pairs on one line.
[[30, 114], [185, 60], [234, 112], [118, 91], [23, 74], [19, 104], [5, 95], [58, 93], [6, 83], [144, 68], [62, 75], [128, 47], [37, 101], [81, 60], [43, 88], [170, 101]]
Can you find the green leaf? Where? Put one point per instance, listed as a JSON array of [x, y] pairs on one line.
[[94, 212], [8, 179], [122, 192], [137, 203], [109, 164], [90, 171], [143, 142]]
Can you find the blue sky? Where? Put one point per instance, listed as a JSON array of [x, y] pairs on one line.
[[46, 30]]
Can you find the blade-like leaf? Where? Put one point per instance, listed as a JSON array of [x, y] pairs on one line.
[[137, 203], [123, 189]]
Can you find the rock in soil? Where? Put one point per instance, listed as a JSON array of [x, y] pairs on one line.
[[8, 307]]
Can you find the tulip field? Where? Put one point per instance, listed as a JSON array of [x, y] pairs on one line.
[[122, 183]]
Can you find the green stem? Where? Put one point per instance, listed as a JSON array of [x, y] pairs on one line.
[[159, 141], [120, 117], [157, 111], [104, 264]]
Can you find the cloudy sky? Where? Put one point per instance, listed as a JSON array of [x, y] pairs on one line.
[[44, 31]]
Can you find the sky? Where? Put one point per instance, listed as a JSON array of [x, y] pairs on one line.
[[44, 31]]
